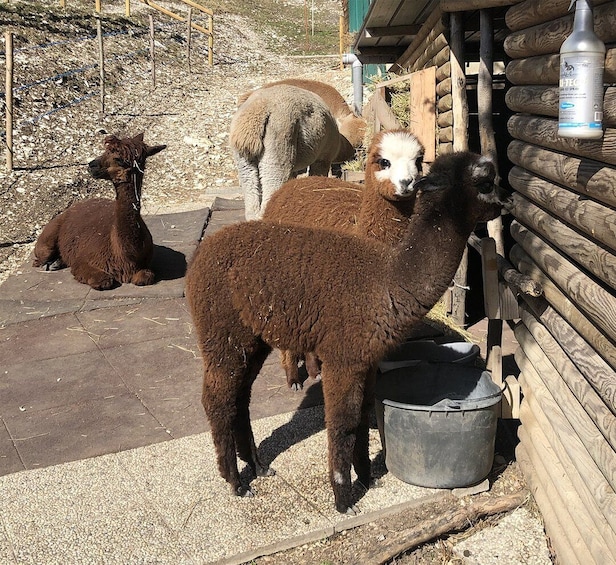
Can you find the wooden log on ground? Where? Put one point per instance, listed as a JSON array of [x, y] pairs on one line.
[[545, 69], [565, 441], [592, 218], [594, 258], [551, 516], [598, 303], [543, 100], [544, 132], [584, 514], [532, 12], [450, 521], [557, 306], [601, 414], [584, 176], [547, 38]]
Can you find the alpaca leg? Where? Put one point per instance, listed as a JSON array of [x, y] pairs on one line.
[[143, 277], [248, 175], [97, 279], [343, 392], [289, 362], [319, 169], [242, 430], [274, 171], [361, 455], [46, 250], [313, 365]]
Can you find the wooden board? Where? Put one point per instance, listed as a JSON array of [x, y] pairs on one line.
[[422, 109]]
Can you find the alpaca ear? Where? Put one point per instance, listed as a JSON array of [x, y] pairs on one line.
[[483, 169], [111, 141], [431, 182], [153, 150], [139, 137]]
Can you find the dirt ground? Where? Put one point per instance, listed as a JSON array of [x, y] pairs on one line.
[[189, 109]]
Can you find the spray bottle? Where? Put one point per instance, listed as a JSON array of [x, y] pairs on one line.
[[582, 58]]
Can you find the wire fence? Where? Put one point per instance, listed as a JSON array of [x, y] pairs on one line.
[[29, 98]]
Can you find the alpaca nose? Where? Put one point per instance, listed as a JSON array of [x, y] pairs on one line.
[[407, 184]]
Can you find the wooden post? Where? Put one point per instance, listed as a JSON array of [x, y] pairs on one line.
[[153, 62], [460, 143], [188, 36], [127, 8], [97, 6], [341, 37], [9, 99], [62, 3], [101, 62], [210, 41]]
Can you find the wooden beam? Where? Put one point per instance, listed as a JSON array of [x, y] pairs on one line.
[[388, 31], [466, 5]]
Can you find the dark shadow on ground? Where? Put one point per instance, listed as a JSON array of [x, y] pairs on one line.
[[168, 264]]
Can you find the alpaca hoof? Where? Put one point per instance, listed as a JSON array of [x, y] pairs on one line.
[[105, 284], [296, 386], [350, 511], [244, 491], [55, 265], [265, 472]]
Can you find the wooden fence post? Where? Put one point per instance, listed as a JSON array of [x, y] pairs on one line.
[[152, 51], [9, 100], [127, 8], [97, 6], [210, 40], [188, 36], [101, 62]]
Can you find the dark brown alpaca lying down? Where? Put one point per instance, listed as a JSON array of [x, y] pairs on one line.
[[351, 300], [105, 242]]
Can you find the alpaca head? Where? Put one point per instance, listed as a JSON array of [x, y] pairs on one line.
[[394, 163], [123, 159], [466, 182]]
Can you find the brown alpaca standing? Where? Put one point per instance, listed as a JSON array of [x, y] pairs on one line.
[[349, 299], [379, 209], [105, 242]]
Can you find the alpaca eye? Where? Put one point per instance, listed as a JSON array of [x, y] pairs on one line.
[[419, 163], [383, 163]]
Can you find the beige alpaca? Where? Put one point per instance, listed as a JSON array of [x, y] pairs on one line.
[[278, 132]]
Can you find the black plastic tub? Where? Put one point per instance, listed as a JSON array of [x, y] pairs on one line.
[[438, 423]]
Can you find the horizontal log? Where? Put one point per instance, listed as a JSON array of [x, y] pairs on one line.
[[588, 216], [444, 73], [598, 303], [445, 148], [445, 103], [592, 257], [555, 420], [557, 308], [445, 135], [465, 5], [551, 516], [443, 87], [545, 69], [544, 132], [584, 176], [576, 500], [436, 23], [445, 119], [532, 12], [548, 37], [565, 363], [430, 50], [543, 100]]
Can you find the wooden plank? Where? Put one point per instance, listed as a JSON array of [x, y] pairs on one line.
[[551, 516], [489, 271], [591, 484], [465, 5], [532, 12], [548, 37], [544, 132], [598, 303], [545, 69], [585, 517], [557, 308], [510, 403], [422, 110], [584, 176], [594, 258], [569, 417], [588, 216], [543, 100], [602, 415]]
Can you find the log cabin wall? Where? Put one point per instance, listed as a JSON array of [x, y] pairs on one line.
[[564, 207]]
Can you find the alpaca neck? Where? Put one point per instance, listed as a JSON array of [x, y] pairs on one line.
[[128, 206], [383, 219], [429, 255]]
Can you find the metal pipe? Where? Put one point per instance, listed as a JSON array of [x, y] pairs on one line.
[[358, 80]]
